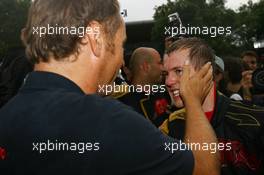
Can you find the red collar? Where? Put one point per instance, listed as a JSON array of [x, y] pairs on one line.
[[209, 114]]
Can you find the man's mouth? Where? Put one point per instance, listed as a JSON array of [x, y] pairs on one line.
[[176, 93]]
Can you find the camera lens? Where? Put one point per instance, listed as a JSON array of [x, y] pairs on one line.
[[258, 79]]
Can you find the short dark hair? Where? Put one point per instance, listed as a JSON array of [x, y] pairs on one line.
[[66, 13], [234, 68], [250, 53], [200, 52]]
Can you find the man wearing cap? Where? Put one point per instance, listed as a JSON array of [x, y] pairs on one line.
[[219, 70]]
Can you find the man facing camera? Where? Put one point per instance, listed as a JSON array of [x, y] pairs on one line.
[[57, 124], [239, 127]]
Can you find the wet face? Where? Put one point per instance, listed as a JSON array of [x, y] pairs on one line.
[[251, 61], [173, 69]]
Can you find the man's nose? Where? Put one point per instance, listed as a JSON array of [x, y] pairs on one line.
[[171, 80]]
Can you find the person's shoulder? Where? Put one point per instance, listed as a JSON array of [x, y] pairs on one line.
[[133, 99], [244, 107], [107, 105], [121, 92], [245, 115], [177, 118], [131, 96], [95, 100]]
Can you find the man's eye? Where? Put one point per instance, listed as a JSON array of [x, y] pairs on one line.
[[164, 74], [178, 72]]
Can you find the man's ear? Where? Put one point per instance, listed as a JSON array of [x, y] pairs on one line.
[[94, 38], [22, 36], [145, 66]]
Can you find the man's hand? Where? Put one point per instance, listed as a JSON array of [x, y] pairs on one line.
[[197, 87], [198, 130], [246, 83], [247, 79]]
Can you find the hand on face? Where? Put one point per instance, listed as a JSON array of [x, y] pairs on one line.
[[198, 86]]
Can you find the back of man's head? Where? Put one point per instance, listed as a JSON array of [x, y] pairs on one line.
[[143, 64], [199, 52], [55, 27], [139, 56]]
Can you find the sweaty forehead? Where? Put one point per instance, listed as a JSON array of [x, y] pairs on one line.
[[176, 59]]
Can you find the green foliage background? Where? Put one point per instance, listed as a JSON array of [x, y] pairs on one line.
[[13, 15], [247, 22]]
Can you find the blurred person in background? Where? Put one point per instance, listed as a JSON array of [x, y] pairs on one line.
[[249, 61], [13, 70], [233, 78], [145, 68]]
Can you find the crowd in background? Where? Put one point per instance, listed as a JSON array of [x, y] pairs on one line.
[[233, 104]]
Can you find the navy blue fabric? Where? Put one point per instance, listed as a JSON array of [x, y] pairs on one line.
[[52, 108]]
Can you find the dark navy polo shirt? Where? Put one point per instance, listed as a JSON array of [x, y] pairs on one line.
[[52, 127]]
